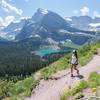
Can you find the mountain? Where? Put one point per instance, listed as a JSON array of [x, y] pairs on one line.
[[84, 23], [44, 23], [80, 22], [51, 29], [95, 24], [12, 30]]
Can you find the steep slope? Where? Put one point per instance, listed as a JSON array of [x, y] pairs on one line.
[[52, 89], [64, 77], [23, 88], [44, 23]]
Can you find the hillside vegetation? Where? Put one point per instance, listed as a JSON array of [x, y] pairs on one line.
[[93, 85], [10, 90], [20, 59]]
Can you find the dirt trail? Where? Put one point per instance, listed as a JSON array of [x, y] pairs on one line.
[[51, 89]]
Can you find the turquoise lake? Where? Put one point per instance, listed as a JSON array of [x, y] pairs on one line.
[[42, 52]]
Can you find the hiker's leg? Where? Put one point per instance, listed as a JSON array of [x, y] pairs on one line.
[[75, 67], [72, 70]]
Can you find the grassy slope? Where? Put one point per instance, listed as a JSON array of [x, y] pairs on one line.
[[93, 83], [23, 88]]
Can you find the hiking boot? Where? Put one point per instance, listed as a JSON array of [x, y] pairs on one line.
[[72, 75], [77, 72]]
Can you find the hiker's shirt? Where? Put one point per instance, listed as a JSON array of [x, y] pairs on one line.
[[73, 59]]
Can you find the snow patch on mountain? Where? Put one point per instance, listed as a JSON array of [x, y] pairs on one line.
[[51, 41], [30, 22], [43, 11], [42, 28], [68, 19], [3, 34], [94, 24], [68, 40], [17, 29], [38, 36], [63, 31], [6, 36], [11, 37]]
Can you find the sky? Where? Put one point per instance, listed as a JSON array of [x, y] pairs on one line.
[[14, 10]]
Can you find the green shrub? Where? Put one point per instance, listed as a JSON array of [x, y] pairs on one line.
[[83, 84], [94, 80]]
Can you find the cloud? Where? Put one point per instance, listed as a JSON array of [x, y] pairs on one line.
[[96, 14], [9, 8], [6, 21], [9, 19], [84, 11]]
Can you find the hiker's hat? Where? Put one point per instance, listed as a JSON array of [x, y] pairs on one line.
[[74, 51]]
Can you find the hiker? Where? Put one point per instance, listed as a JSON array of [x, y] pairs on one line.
[[74, 62]]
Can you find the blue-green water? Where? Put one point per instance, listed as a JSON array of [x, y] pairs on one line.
[[44, 51]]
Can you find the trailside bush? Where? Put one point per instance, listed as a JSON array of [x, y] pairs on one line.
[[94, 79], [82, 85]]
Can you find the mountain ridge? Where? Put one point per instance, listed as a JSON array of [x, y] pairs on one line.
[[44, 25]]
